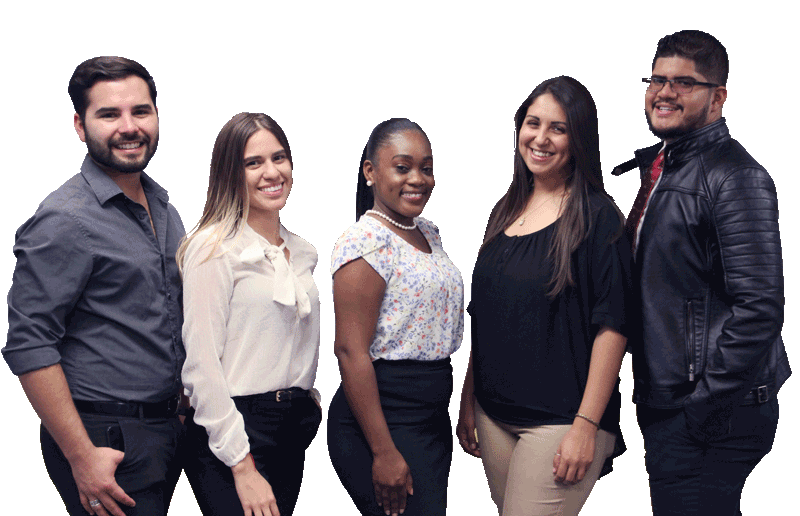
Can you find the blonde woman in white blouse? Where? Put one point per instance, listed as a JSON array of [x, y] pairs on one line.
[[399, 301], [251, 330]]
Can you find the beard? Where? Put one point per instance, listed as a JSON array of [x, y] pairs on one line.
[[103, 153], [687, 125]]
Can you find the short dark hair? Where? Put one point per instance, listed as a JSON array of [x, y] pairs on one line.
[[104, 68], [382, 133], [709, 56]]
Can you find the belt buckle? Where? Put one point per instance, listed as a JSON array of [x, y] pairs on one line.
[[763, 394], [283, 396]]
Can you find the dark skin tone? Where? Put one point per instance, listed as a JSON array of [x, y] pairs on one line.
[[403, 178]]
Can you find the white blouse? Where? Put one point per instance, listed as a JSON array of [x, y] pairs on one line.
[[422, 312], [251, 325]]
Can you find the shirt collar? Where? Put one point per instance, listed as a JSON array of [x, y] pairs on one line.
[[105, 188]]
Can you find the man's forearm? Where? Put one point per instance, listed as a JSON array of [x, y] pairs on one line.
[[48, 392]]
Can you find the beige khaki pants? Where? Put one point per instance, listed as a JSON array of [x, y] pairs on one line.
[[518, 462]]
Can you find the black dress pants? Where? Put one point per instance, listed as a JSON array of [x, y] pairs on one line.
[[415, 396], [148, 473], [279, 433]]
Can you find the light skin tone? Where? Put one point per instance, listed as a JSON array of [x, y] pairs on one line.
[[403, 179], [670, 115], [268, 176], [120, 128], [119, 123], [544, 146]]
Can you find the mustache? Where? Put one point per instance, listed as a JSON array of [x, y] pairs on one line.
[[131, 138]]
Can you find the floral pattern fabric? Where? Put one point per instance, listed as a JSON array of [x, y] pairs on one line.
[[422, 313]]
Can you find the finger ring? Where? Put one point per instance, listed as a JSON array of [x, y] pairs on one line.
[[95, 503]]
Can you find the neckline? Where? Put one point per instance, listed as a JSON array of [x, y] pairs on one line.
[[533, 232], [395, 235]]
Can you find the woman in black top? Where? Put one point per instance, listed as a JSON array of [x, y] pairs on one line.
[[549, 294]]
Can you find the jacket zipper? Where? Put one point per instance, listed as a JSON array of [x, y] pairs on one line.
[[691, 341]]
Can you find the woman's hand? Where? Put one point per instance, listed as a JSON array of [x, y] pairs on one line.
[[254, 491], [391, 478], [575, 453], [465, 430]]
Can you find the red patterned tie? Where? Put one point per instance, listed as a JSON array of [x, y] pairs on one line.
[[641, 198]]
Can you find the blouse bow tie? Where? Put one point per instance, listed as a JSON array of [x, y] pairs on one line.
[[286, 288]]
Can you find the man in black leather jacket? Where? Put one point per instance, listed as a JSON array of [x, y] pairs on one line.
[[710, 358]]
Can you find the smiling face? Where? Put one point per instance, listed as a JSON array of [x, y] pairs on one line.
[[402, 175], [268, 174], [543, 140], [671, 115], [120, 126]]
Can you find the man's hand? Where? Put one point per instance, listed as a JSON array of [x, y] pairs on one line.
[[93, 468], [94, 476]]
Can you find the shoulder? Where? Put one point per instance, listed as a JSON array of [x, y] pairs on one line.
[[604, 210], [206, 244], [62, 215], [365, 237], [430, 230], [367, 234], [730, 160], [299, 246]]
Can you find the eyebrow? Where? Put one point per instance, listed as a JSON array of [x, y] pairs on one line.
[[678, 78], [406, 156], [104, 110], [258, 156], [551, 123]]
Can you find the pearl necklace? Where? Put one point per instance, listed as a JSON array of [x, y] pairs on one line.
[[386, 217]]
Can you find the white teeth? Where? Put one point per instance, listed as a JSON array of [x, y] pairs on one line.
[[126, 146], [271, 188], [541, 154]]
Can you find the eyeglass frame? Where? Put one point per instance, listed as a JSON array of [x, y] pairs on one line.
[[694, 82]]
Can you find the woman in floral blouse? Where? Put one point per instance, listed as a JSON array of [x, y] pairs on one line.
[[398, 301]]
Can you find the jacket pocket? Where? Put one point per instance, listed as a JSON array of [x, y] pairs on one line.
[[695, 337]]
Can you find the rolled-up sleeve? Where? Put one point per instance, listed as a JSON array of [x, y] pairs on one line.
[[53, 265]]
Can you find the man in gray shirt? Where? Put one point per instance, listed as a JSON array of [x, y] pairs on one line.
[[94, 310]]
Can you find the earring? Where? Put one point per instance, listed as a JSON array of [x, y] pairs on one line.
[[369, 183]]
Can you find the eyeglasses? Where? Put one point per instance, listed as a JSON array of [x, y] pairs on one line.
[[681, 85]]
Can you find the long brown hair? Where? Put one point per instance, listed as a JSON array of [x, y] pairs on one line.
[[584, 176], [227, 202]]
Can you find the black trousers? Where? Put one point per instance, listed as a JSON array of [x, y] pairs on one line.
[[148, 473], [415, 396], [688, 476], [279, 433]]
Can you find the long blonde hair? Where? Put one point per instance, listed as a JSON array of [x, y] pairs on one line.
[[227, 202]]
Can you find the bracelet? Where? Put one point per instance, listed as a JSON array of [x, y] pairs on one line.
[[587, 418]]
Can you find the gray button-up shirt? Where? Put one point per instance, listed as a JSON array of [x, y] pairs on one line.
[[95, 290]]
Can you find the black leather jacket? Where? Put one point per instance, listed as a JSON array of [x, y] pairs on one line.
[[710, 272]]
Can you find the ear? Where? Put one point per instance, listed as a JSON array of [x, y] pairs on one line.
[[78, 123], [368, 170], [718, 99]]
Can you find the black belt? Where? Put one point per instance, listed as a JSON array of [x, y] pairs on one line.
[[160, 409], [292, 393], [288, 394]]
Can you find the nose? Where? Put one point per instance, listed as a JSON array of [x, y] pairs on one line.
[[127, 124], [667, 90], [270, 170], [540, 136], [415, 176]]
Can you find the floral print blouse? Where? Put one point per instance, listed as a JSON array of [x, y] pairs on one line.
[[422, 313]]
